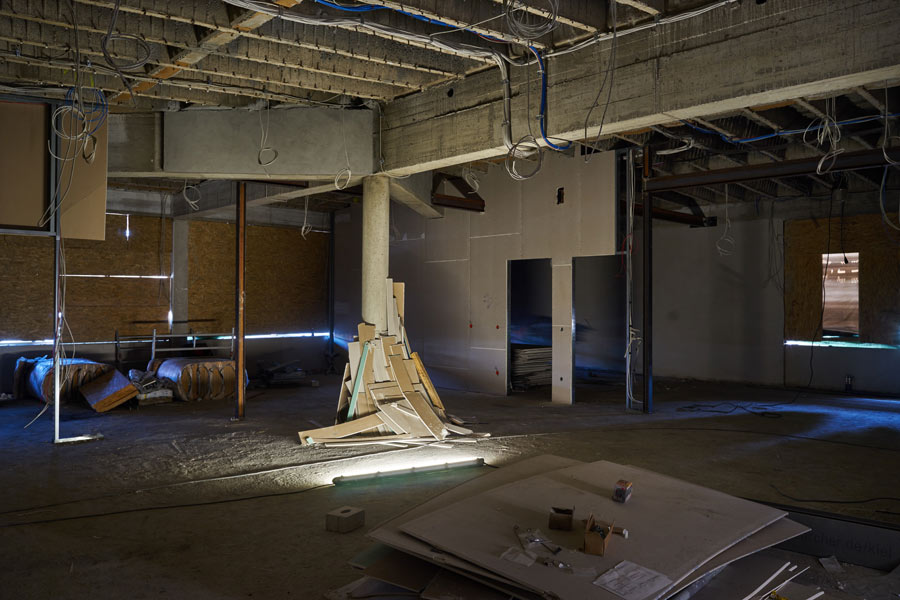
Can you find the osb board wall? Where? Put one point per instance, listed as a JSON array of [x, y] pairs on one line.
[[97, 307], [23, 163], [26, 287], [286, 278], [879, 276]]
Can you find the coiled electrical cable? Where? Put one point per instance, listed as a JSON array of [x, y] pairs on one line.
[[526, 25]]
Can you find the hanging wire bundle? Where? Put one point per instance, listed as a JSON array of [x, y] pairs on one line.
[[144, 50], [527, 26]]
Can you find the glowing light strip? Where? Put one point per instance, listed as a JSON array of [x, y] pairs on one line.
[[467, 462], [119, 276], [261, 336], [837, 344]]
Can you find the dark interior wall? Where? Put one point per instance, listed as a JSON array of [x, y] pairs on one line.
[[599, 315], [286, 279], [530, 302], [347, 275]]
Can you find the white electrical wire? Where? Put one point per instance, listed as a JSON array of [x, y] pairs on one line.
[[526, 25], [264, 142], [882, 200], [195, 202], [343, 177], [471, 178], [828, 135], [888, 138], [725, 244], [306, 228]]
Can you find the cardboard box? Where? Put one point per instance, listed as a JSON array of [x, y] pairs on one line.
[[596, 536], [561, 518], [622, 491]]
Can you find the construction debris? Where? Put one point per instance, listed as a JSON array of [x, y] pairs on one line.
[[386, 395], [108, 391], [531, 367], [481, 539]]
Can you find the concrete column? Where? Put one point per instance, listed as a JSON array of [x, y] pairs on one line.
[[563, 331], [375, 249]]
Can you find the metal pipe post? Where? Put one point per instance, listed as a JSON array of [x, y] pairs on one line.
[[57, 326], [239, 301], [647, 334]]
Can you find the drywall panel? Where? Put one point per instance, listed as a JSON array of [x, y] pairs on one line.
[[488, 291], [447, 238], [487, 372], [225, 142], [563, 340], [550, 227], [83, 181], [714, 317], [502, 207], [23, 163], [446, 301], [597, 199], [872, 370]]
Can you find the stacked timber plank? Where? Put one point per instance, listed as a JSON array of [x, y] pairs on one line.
[[386, 395], [468, 542], [531, 367]]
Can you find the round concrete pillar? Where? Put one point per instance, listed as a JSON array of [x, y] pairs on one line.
[[375, 249]]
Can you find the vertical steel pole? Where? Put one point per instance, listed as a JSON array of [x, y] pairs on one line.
[[647, 335], [629, 281], [57, 326], [239, 300]]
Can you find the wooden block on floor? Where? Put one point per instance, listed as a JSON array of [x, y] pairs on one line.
[[108, 391], [345, 519]]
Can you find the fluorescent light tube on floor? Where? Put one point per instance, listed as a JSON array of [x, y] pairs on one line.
[[470, 462]]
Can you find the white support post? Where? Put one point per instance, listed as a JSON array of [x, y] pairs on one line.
[[563, 331], [375, 249]]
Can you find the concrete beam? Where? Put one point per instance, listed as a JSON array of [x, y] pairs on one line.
[[223, 144], [726, 60], [415, 192], [216, 198]]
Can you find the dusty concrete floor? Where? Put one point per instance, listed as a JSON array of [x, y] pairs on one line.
[[261, 534]]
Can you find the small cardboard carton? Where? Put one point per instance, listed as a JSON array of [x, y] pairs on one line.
[[561, 518], [596, 536]]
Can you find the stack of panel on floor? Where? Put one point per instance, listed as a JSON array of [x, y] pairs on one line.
[[531, 367], [467, 543], [386, 396]]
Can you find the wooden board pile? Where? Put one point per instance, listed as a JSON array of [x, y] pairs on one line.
[[531, 367], [469, 542], [386, 395]]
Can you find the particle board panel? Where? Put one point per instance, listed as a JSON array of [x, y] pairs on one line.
[[83, 209], [488, 283], [24, 163], [26, 287], [704, 522], [146, 250], [285, 278], [879, 276]]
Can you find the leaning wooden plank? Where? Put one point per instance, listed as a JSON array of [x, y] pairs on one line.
[[366, 404], [410, 422], [344, 399], [388, 390], [108, 391], [411, 371], [357, 381], [369, 439], [426, 381], [393, 318], [354, 350], [457, 429], [407, 353], [400, 295], [392, 423], [379, 364], [366, 332], [426, 413], [342, 430], [401, 375]]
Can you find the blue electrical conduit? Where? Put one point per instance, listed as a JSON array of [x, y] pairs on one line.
[[543, 111]]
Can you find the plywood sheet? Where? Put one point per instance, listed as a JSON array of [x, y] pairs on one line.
[[26, 287], [23, 163], [705, 522], [108, 391]]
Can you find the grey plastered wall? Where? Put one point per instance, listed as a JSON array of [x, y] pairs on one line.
[[455, 267]]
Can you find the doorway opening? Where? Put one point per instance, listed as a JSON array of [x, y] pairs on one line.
[[530, 324]]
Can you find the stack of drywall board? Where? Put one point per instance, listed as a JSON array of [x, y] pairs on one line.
[[531, 367], [679, 533], [386, 395]]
